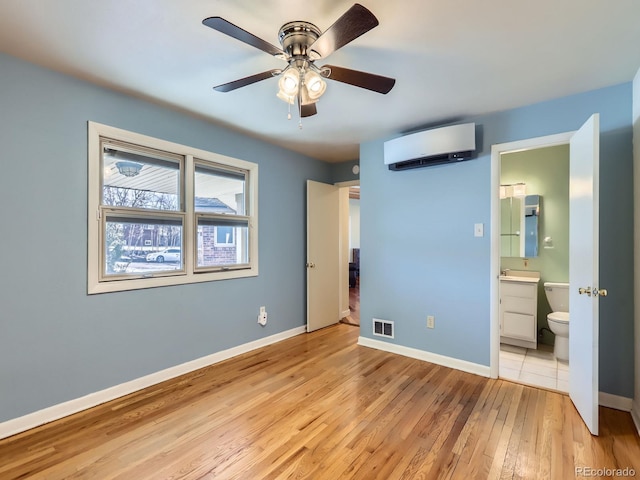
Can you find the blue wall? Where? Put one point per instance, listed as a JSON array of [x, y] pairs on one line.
[[419, 256], [56, 342], [343, 171]]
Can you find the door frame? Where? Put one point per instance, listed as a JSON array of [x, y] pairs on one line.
[[343, 281], [494, 290]]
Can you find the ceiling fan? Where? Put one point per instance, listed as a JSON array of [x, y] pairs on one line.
[[303, 43]]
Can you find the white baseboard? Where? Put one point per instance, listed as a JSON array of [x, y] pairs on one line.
[[605, 399], [345, 313], [55, 412], [635, 414], [615, 401], [455, 363]]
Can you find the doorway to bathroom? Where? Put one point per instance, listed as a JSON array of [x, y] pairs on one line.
[[534, 253], [584, 288]]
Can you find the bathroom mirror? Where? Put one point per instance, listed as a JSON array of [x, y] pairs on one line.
[[519, 219]]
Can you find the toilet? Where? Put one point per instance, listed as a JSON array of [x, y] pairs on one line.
[[558, 297]]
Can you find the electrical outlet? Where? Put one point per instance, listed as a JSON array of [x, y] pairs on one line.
[[431, 321], [262, 316]]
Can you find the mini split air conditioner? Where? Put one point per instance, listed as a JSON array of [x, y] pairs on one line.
[[431, 147]]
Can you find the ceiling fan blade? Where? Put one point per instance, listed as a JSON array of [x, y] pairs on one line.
[[356, 21], [228, 28], [370, 81], [243, 82], [308, 110]]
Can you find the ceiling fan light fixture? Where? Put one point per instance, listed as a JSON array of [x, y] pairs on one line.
[[303, 96], [286, 98], [289, 83], [303, 43], [316, 86]]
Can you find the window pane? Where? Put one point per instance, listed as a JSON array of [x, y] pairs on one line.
[[137, 247], [225, 236], [219, 191], [139, 180], [222, 243]]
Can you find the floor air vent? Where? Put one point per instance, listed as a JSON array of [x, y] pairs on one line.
[[383, 328]]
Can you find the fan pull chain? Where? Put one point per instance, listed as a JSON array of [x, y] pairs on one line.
[[289, 111], [299, 109]]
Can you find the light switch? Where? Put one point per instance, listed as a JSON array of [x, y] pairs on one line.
[[478, 230]]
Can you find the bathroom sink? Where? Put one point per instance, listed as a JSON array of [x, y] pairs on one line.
[[521, 276]]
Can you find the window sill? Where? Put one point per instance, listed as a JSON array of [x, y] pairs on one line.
[[138, 283]]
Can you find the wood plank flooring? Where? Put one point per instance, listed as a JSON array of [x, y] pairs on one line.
[[354, 306], [318, 406]]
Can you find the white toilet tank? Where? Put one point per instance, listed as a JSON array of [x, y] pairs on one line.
[[557, 295]]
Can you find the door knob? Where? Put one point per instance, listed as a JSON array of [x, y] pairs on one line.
[[587, 290], [602, 292]]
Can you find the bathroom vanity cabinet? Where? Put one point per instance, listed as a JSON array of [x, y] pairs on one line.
[[519, 311]]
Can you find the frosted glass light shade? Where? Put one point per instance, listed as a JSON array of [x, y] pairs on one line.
[[316, 86], [286, 98], [289, 83]]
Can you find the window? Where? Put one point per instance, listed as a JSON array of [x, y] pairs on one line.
[[163, 214], [225, 236], [220, 198]]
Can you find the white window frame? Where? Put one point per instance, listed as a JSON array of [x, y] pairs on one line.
[[95, 284]]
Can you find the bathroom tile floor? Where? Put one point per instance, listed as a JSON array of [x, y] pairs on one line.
[[538, 368]]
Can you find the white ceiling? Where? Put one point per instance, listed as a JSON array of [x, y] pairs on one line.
[[451, 58]]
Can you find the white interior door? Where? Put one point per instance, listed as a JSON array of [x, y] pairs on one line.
[[583, 271], [323, 259]]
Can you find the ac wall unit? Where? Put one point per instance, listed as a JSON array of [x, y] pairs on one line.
[[431, 147]]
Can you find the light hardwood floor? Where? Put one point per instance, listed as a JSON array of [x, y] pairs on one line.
[[318, 406], [354, 306]]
